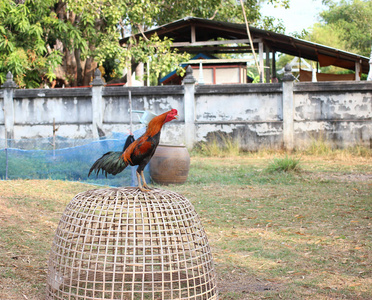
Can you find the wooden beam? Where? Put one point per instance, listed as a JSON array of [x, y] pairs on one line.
[[214, 61], [211, 43], [227, 30], [216, 49]]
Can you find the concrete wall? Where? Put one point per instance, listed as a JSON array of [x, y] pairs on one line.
[[278, 115], [251, 113], [35, 109], [339, 112], [155, 99]]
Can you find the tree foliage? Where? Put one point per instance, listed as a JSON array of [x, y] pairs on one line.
[[221, 10], [23, 42], [41, 40], [345, 25]]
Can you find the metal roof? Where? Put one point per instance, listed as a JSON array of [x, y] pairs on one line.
[[205, 31]]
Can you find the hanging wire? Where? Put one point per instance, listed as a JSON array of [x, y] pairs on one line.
[[130, 111], [250, 38]]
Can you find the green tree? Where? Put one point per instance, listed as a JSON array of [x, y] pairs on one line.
[[44, 39], [221, 10], [23, 42], [346, 25]]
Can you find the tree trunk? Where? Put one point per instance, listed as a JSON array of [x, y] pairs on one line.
[[70, 67], [79, 68], [90, 66]]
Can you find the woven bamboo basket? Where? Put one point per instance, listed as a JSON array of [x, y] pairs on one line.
[[121, 243]]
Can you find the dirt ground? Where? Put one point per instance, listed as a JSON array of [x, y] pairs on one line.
[[28, 220]]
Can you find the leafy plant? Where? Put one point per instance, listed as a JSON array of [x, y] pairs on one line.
[[23, 47], [255, 76], [344, 25], [36, 35]]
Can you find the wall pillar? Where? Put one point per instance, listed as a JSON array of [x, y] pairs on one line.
[[9, 87], [288, 108], [189, 107], [98, 105]]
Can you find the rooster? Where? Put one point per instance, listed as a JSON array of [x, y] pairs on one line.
[[138, 153]]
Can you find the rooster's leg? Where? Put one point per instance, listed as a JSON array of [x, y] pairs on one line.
[[145, 185], [143, 189]]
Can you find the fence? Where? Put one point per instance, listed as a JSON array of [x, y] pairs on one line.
[[286, 114], [64, 159]]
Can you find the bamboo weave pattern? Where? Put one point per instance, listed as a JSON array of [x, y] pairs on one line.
[[121, 243]]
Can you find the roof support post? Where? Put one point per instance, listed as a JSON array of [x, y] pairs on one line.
[[273, 67], [261, 60], [267, 67], [357, 71], [193, 34], [369, 78], [313, 75]]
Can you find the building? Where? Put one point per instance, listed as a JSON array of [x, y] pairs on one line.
[[197, 35], [211, 70]]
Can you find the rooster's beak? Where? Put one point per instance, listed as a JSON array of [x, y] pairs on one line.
[[176, 116]]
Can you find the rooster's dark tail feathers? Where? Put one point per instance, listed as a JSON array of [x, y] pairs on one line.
[[109, 163]]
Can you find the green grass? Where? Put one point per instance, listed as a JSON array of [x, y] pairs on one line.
[[273, 235], [307, 230], [285, 164]]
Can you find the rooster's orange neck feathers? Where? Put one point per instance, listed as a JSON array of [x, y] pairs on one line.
[[153, 128], [156, 124]]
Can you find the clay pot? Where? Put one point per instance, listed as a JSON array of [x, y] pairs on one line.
[[170, 164]]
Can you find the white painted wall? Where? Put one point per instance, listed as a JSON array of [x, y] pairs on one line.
[[251, 113]]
